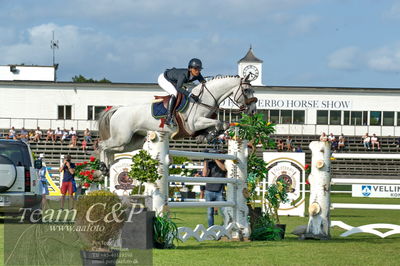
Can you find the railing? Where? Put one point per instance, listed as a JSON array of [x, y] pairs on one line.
[[281, 129]]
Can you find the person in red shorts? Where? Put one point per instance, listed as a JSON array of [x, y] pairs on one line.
[[68, 168]]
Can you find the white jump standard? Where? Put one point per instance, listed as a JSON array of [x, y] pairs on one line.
[[236, 211]]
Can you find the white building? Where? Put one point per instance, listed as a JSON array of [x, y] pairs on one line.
[[296, 110]]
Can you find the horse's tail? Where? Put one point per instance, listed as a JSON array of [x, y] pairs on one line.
[[104, 122]]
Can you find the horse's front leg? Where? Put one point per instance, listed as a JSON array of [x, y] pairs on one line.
[[207, 126]]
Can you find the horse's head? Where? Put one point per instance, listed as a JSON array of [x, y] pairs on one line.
[[244, 95]]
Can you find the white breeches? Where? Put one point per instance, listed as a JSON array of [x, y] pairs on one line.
[[166, 85]]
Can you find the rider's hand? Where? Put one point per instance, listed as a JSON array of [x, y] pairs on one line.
[[195, 97]]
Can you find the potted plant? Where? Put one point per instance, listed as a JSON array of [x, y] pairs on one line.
[[89, 174], [275, 195], [98, 230], [165, 231]]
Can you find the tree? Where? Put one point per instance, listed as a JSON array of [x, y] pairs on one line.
[[82, 79]]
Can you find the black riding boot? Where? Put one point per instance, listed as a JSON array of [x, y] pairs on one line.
[[170, 113]]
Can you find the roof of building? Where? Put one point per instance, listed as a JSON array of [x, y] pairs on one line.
[[250, 57]]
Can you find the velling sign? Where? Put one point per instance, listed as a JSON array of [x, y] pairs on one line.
[[376, 191]]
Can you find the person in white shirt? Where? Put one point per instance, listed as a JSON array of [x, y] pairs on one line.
[[367, 141], [331, 137], [375, 141], [73, 136], [323, 137], [12, 134], [58, 134], [38, 134], [50, 135], [64, 135]]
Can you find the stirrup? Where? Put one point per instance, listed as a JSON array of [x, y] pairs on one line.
[[169, 121]]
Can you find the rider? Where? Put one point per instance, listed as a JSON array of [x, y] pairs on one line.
[[173, 79]]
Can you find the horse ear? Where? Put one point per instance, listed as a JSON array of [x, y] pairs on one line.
[[246, 79]]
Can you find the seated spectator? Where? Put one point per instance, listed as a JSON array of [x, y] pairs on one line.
[[298, 148], [87, 135], [23, 135], [38, 135], [74, 137], [58, 134], [331, 137], [323, 137], [31, 134], [397, 142], [334, 145], [65, 135], [279, 144], [289, 143], [367, 141], [375, 141], [96, 144], [50, 135], [342, 142], [84, 145], [12, 134]]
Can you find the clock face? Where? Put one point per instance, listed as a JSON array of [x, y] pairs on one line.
[[252, 70]]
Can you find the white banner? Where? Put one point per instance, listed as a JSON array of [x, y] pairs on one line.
[[376, 191], [289, 168]]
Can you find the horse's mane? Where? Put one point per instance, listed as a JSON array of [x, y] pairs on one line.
[[222, 77]]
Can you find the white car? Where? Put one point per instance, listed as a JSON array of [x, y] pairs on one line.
[[18, 178]]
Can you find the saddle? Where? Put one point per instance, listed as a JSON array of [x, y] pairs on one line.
[[159, 111]]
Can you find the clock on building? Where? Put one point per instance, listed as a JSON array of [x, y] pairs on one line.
[[252, 71]]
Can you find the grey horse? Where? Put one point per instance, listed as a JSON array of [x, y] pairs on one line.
[[124, 128]]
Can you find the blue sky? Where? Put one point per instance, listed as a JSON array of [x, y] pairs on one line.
[[347, 43]]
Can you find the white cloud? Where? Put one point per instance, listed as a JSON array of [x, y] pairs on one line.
[[304, 24], [386, 59], [394, 11], [346, 58]]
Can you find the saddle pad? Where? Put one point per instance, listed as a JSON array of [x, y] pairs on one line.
[[159, 111]]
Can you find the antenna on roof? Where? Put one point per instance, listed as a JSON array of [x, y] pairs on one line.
[[54, 46]]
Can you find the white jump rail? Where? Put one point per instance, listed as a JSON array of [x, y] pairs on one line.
[[235, 213], [321, 170]]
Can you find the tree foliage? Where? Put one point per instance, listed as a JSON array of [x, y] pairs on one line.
[[82, 79]]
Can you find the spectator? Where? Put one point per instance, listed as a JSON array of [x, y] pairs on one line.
[[73, 136], [38, 135], [213, 192], [289, 143], [50, 135], [12, 134], [43, 186], [375, 141], [342, 142], [280, 145], [331, 137], [23, 135], [31, 134], [323, 137], [87, 135], [96, 144], [58, 134], [65, 135], [397, 142], [84, 145], [298, 148], [68, 169], [334, 145], [367, 141]]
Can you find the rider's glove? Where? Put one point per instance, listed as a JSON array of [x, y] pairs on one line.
[[194, 97]]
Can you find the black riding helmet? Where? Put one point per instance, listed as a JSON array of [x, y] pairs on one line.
[[195, 63]]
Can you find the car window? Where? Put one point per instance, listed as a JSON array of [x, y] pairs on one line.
[[17, 153]]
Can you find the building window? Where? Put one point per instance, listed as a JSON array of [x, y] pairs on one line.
[[274, 116], [322, 117], [356, 118], [298, 117], [375, 118], [346, 118], [286, 116], [388, 118], [335, 117], [94, 111], [64, 112], [398, 118]]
